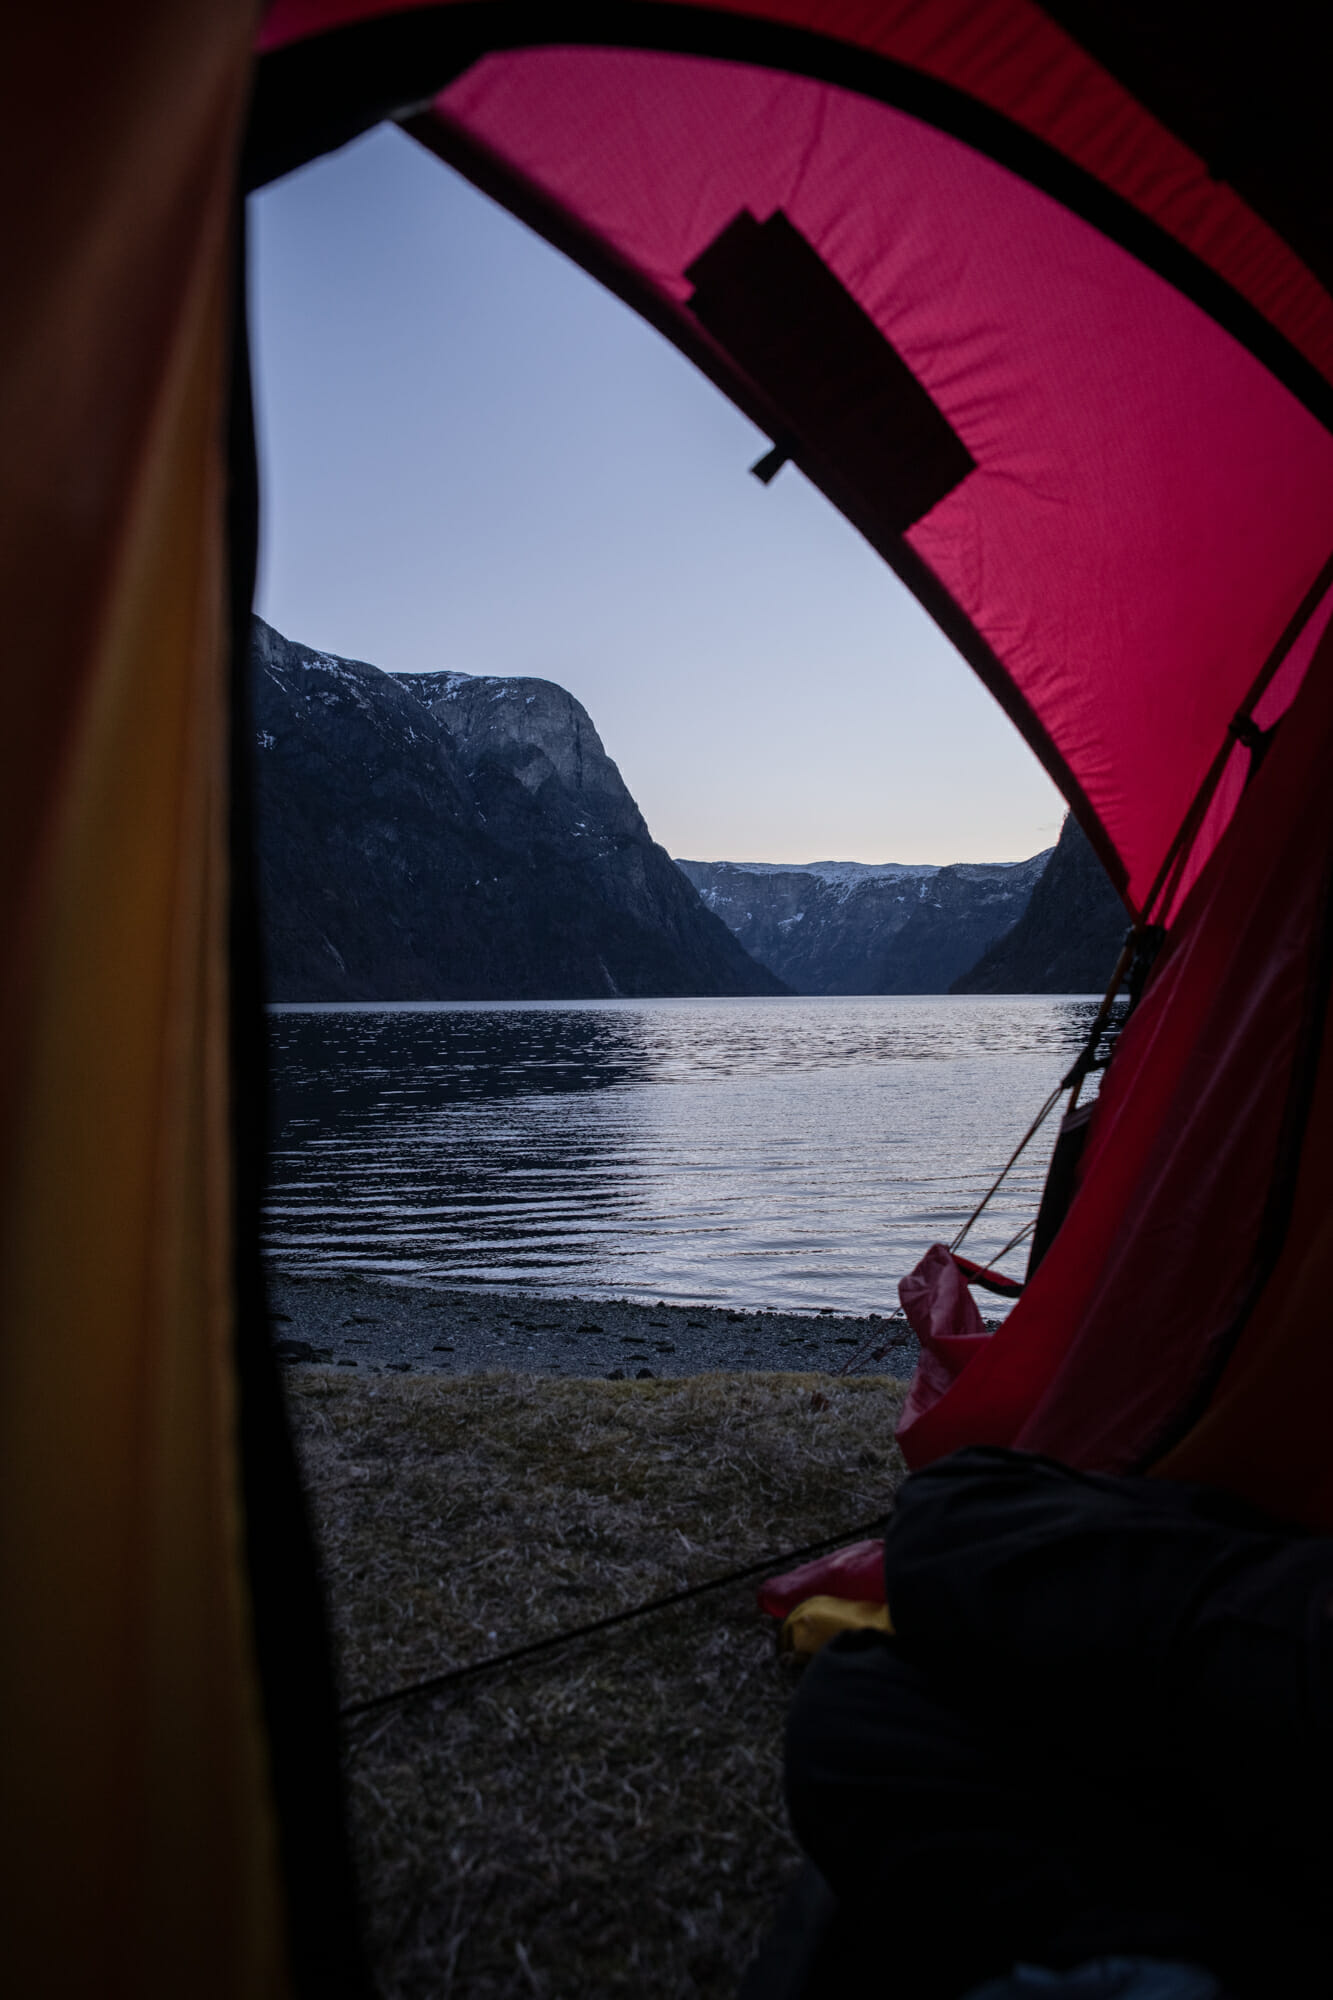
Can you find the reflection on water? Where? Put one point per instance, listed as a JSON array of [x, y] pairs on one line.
[[784, 1152]]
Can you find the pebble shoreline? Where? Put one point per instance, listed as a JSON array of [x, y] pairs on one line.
[[375, 1324]]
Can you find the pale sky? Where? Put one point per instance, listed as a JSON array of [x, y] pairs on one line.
[[475, 458]]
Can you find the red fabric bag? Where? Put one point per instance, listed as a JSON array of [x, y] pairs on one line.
[[855, 1572]]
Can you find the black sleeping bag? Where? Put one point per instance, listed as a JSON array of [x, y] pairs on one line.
[[1102, 1727]]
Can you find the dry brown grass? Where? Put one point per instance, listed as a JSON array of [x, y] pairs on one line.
[[607, 1820]]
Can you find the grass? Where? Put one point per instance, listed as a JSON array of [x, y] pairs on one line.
[[607, 1820]]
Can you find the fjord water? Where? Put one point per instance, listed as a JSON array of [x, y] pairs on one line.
[[789, 1153]]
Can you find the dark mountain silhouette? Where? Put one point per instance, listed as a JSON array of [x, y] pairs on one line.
[[1068, 938], [441, 837]]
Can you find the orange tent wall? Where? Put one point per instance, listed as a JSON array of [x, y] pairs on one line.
[[134, 1783]]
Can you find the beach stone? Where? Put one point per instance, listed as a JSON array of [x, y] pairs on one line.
[[327, 1314], [294, 1350]]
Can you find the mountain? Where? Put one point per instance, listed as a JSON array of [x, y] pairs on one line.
[[853, 927], [1068, 938], [445, 837]]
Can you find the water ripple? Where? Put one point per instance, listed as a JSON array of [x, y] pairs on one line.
[[791, 1153]]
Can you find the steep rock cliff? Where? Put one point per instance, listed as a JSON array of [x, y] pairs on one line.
[[474, 841]]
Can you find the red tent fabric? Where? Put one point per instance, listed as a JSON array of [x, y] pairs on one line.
[[1114, 1347], [1006, 57]]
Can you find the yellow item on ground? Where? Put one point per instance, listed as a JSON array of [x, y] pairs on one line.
[[818, 1619]]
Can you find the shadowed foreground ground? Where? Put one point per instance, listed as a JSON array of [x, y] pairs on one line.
[[607, 1820]]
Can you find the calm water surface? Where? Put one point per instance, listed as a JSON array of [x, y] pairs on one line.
[[790, 1153]]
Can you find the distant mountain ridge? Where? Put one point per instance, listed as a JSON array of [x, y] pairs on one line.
[[854, 927], [841, 874], [443, 836]]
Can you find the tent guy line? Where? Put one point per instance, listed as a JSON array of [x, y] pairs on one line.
[[432, 1684]]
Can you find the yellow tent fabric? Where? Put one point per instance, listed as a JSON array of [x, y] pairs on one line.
[[134, 1785]]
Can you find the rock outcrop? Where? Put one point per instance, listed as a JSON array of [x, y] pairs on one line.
[[442, 837]]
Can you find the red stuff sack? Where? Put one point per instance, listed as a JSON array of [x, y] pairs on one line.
[[855, 1572]]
